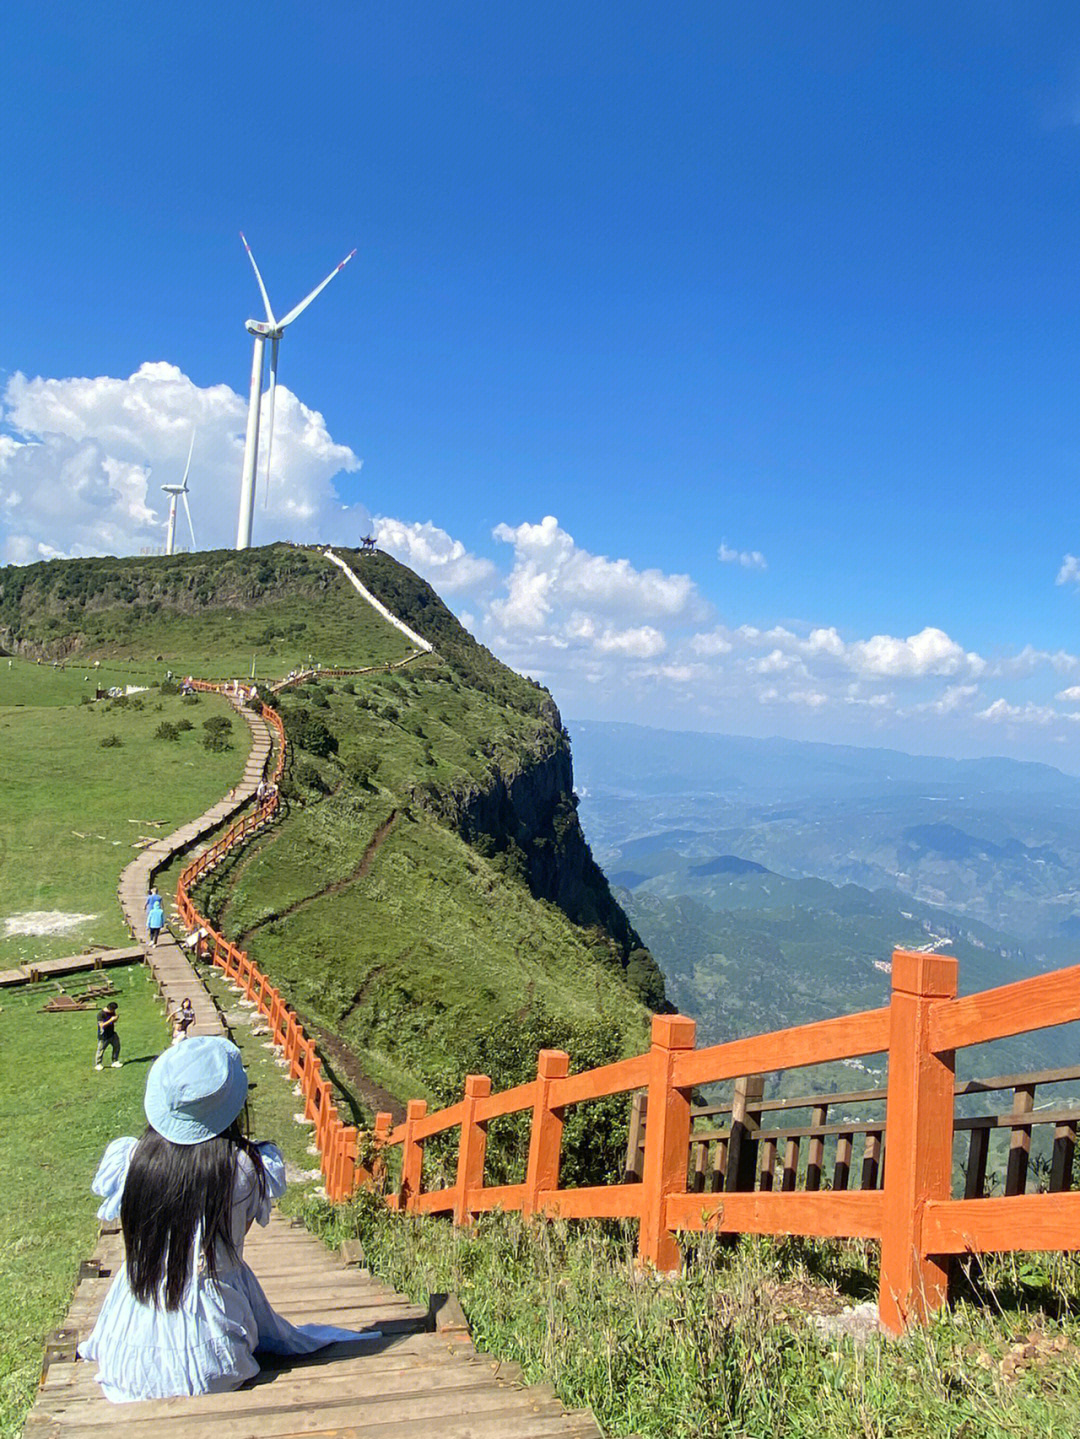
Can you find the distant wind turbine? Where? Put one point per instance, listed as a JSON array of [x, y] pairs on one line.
[[175, 491], [271, 330]]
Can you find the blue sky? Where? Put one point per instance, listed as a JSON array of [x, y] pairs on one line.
[[718, 363]]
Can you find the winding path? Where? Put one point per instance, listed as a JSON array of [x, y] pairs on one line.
[[422, 1376]]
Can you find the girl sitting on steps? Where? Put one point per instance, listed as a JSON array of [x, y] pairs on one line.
[[185, 1314]]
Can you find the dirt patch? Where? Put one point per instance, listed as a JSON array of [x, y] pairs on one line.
[[44, 921], [345, 1062]]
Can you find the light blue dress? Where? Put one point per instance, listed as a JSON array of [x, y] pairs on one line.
[[207, 1345]]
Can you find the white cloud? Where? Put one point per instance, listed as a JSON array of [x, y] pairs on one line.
[[550, 572], [952, 698], [1069, 574], [444, 562], [747, 559], [930, 652], [1072, 694], [712, 643], [642, 643], [1029, 659], [82, 471], [1001, 711]]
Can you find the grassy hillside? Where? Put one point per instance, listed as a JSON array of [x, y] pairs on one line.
[[429, 877], [209, 613]]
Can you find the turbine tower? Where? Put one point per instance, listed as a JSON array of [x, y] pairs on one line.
[[270, 330], [174, 491]]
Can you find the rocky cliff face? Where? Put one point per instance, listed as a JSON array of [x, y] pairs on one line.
[[529, 818]]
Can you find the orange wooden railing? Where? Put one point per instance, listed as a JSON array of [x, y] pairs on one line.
[[913, 1214], [336, 1141]]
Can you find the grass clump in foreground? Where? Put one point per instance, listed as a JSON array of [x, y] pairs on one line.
[[727, 1349], [56, 1117]]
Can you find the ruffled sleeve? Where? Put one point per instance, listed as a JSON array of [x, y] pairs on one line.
[[256, 1205], [111, 1176]]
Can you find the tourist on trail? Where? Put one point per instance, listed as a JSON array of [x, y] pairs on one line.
[[155, 914], [182, 1019], [185, 1314], [107, 1037], [260, 791]]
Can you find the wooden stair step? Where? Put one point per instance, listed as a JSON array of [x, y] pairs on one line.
[[362, 1411]]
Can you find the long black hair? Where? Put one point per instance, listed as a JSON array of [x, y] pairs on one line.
[[173, 1192]]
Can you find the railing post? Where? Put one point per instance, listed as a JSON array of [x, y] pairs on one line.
[[745, 1123], [919, 1126], [545, 1140], [412, 1154], [347, 1169], [312, 1068], [384, 1123], [472, 1147], [635, 1140], [667, 1140]]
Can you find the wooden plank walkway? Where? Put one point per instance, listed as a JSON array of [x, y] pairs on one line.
[[70, 964], [414, 1380], [172, 969], [420, 1377]]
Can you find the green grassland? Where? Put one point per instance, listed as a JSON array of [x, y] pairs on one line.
[[56, 1117], [210, 614], [433, 942], [73, 810]]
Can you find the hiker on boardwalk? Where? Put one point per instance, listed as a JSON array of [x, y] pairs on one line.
[[185, 1314], [155, 914], [107, 1037], [181, 1020]]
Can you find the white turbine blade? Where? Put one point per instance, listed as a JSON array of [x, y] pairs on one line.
[[187, 467], [262, 287], [291, 316], [187, 511], [270, 418]]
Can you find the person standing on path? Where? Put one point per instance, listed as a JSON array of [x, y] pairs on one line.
[[155, 914], [107, 1037]]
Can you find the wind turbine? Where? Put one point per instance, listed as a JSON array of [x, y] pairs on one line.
[[270, 330], [175, 491]]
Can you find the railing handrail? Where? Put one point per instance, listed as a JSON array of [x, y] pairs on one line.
[[912, 1211], [336, 1141]]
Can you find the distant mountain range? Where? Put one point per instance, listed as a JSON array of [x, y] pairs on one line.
[[772, 879]]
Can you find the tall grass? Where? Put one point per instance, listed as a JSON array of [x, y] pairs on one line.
[[730, 1348]]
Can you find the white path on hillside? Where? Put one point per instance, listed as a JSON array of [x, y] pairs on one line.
[[349, 574]]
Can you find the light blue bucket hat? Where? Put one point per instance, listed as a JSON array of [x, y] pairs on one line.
[[195, 1090]]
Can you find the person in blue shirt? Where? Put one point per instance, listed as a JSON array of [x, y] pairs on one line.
[[185, 1314], [155, 914]]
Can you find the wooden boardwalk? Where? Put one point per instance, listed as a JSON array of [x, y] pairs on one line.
[[415, 1380], [422, 1377], [172, 968]]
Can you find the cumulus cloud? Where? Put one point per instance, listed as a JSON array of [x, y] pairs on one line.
[[746, 559], [1029, 659], [712, 643], [554, 579], [442, 560], [930, 652], [1001, 711], [952, 698], [84, 459], [1069, 574]]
